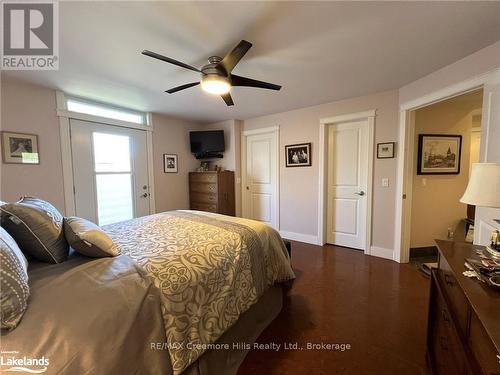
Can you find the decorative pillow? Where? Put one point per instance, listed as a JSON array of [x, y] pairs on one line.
[[89, 239], [37, 227], [13, 282]]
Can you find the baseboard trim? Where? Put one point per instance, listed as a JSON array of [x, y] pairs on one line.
[[300, 237], [382, 252]]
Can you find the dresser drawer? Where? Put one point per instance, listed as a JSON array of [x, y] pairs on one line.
[[448, 356], [455, 296], [204, 197], [201, 187], [203, 177], [204, 207], [483, 348]]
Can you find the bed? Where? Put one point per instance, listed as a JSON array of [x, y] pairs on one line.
[[186, 286]]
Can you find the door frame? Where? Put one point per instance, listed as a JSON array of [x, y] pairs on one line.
[[406, 150], [67, 161], [369, 116], [269, 130]]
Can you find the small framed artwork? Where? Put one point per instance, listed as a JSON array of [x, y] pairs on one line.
[[170, 163], [20, 148], [439, 154], [298, 155], [385, 150]]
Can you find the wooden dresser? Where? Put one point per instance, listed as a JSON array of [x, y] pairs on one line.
[[463, 333], [212, 191]]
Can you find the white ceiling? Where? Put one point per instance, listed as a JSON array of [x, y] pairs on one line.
[[318, 51]]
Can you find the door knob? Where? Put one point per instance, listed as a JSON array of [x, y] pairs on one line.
[[361, 193], [145, 195]]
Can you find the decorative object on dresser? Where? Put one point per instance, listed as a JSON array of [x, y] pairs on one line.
[[385, 150], [212, 191], [20, 148], [463, 331], [298, 155], [484, 190], [170, 163], [439, 154]]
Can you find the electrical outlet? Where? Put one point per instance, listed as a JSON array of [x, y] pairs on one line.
[[385, 182]]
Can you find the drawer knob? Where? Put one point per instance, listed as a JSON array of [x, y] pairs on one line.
[[448, 280]]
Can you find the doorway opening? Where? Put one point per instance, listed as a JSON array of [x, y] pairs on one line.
[[446, 141]]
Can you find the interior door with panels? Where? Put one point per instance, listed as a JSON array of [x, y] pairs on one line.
[[261, 178], [347, 188]]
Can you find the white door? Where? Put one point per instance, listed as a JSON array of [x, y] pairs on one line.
[[110, 172], [348, 158], [260, 192]]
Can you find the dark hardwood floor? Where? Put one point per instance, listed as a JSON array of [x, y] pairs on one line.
[[377, 306]]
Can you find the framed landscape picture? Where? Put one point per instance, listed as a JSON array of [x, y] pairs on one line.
[[20, 148], [298, 155], [170, 163], [439, 154]]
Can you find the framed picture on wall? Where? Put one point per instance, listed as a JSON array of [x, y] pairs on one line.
[[385, 150], [20, 148], [439, 154], [170, 163], [298, 155]]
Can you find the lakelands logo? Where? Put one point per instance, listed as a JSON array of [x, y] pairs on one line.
[[30, 35], [11, 362]]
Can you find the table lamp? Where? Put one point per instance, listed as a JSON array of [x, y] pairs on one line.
[[484, 190]]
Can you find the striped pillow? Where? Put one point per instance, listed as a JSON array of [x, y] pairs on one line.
[[13, 282], [37, 227]]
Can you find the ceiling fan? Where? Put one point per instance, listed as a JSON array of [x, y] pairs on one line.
[[216, 77]]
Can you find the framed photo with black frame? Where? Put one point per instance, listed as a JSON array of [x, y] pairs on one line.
[[385, 150], [298, 155], [170, 163], [439, 154]]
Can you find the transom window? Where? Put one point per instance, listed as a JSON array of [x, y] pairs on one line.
[[103, 110]]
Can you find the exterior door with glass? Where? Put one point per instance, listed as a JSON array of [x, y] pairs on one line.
[[110, 172]]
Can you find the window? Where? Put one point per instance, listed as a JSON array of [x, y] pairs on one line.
[[102, 110], [113, 177]]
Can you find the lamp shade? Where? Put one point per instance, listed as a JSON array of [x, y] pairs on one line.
[[484, 186]]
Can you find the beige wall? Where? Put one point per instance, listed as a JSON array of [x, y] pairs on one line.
[[435, 199], [32, 109], [28, 108], [171, 136], [232, 156], [299, 186], [480, 62]]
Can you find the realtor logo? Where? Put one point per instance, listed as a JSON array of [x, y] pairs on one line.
[[30, 35]]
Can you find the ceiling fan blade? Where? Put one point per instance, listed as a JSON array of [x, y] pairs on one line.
[[243, 81], [183, 87], [227, 98], [233, 57], [169, 60]]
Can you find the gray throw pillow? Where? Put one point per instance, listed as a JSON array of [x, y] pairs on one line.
[[37, 227], [89, 239], [13, 282]]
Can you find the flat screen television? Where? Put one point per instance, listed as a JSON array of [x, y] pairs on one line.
[[207, 144]]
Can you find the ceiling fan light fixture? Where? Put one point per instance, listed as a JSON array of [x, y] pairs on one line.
[[215, 84]]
